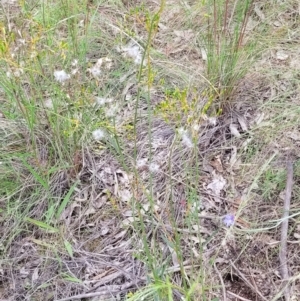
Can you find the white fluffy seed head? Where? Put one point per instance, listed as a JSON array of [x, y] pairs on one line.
[[141, 163], [111, 111], [153, 167], [98, 134], [101, 101], [196, 127], [181, 131], [187, 141], [61, 76], [74, 63], [96, 69], [133, 51]]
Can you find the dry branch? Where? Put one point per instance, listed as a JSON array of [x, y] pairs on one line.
[[284, 231], [108, 290]]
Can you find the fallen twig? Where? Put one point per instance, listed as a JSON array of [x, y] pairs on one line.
[[284, 231], [237, 296], [105, 291], [222, 282]]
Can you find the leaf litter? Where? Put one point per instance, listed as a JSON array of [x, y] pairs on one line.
[[103, 200]]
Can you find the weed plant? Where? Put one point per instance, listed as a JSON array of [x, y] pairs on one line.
[[45, 118]]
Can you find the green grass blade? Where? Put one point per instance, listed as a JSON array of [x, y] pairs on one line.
[[36, 175], [69, 248], [65, 201], [41, 225]]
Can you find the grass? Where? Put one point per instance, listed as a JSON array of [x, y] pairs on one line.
[[229, 51], [116, 174]]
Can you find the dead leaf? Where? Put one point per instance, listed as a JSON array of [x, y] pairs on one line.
[[281, 55], [128, 221], [206, 166], [145, 208], [128, 213], [201, 229], [91, 210], [120, 235], [104, 230], [217, 184], [204, 54], [234, 131], [122, 177], [217, 164], [195, 252], [101, 199], [259, 118], [162, 26], [277, 23], [125, 195], [24, 272], [282, 195], [297, 235], [35, 275], [67, 213], [233, 156], [175, 259], [156, 208], [246, 143], [243, 123]]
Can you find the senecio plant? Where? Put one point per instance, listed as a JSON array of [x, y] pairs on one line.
[[229, 52]]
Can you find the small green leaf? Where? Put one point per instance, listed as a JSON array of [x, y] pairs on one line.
[[65, 201], [72, 279], [42, 225], [36, 175], [69, 248]]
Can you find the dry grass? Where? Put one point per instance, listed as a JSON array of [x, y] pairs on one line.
[[138, 215]]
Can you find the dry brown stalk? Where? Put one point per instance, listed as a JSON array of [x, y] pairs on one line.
[[284, 231]]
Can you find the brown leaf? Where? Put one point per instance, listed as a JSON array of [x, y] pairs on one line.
[[243, 123], [234, 131], [217, 184], [217, 164]]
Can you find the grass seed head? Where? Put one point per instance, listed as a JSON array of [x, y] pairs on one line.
[[61, 76], [99, 134]]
